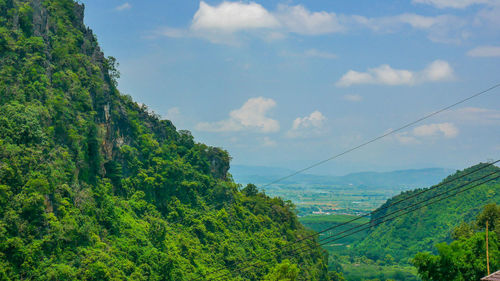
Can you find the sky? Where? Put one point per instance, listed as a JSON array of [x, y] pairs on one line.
[[286, 83]]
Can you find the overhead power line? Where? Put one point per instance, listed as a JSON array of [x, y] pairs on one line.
[[398, 202], [420, 207], [295, 253], [387, 215], [411, 206], [369, 142], [366, 215], [382, 136]]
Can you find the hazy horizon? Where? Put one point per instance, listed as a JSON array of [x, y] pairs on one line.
[[290, 83]]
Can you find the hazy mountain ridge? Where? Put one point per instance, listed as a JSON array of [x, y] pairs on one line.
[[411, 178], [421, 230]]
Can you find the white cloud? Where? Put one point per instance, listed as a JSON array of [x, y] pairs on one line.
[[440, 28], [447, 130], [383, 74], [232, 16], [223, 23], [353, 98], [438, 70], [392, 23], [474, 115], [386, 75], [485, 51], [251, 116], [457, 4], [123, 7], [307, 126], [488, 18], [298, 19], [423, 132], [406, 138]]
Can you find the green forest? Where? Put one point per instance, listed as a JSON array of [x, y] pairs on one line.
[[94, 187], [442, 241], [421, 230]]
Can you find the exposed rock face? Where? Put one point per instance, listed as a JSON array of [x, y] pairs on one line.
[[219, 162], [110, 116]]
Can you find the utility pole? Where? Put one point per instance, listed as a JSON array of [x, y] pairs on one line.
[[487, 256]]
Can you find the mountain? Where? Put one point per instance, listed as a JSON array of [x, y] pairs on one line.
[[407, 179], [352, 194], [422, 229], [93, 187]]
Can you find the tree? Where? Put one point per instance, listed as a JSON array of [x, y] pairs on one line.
[[250, 190], [465, 258], [490, 214], [285, 271]]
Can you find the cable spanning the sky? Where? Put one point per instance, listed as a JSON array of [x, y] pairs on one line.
[[367, 143], [445, 182], [408, 209], [398, 202], [371, 223], [411, 206], [383, 136], [413, 210]]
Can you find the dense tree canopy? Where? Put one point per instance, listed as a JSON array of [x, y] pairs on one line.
[[95, 187], [465, 258], [421, 230]]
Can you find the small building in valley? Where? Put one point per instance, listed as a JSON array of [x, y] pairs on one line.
[[495, 276]]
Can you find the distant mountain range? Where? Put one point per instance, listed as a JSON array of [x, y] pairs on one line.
[[401, 179]]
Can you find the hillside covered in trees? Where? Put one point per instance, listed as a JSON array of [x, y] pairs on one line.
[[422, 229], [465, 258], [93, 187]]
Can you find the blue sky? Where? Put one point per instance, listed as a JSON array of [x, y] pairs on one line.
[[288, 83]]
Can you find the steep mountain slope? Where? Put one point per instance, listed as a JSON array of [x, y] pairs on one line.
[[421, 230], [93, 187]]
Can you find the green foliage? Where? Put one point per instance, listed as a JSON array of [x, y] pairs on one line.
[[490, 215], [421, 230], [94, 187], [465, 258], [285, 271]]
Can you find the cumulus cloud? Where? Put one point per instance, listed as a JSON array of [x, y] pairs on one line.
[[299, 20], [251, 116], [232, 16], [456, 4], [440, 28], [438, 70], [392, 23], [435, 130], [307, 126], [123, 7], [386, 75], [223, 22], [474, 115], [485, 51], [353, 98], [447, 130]]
